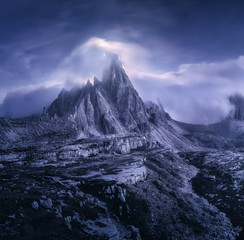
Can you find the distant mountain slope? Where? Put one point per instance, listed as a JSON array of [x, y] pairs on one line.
[[226, 134]]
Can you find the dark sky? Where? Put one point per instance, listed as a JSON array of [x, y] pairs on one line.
[[188, 54]]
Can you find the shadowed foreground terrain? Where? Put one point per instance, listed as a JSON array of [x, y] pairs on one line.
[[68, 193]]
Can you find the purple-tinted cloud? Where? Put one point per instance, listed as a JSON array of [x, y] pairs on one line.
[[21, 104], [195, 93], [40, 42]]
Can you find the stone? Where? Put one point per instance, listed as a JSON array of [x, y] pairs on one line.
[[35, 205], [46, 203]]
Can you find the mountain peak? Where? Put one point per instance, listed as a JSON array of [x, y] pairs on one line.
[[89, 83], [115, 62], [115, 76]]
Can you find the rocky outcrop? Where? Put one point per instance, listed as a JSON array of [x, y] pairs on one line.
[[64, 103], [238, 102], [156, 113]]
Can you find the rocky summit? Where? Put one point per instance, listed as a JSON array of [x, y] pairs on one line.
[[100, 163]]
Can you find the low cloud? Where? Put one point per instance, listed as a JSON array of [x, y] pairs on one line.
[[84, 62], [21, 104], [195, 93], [93, 56]]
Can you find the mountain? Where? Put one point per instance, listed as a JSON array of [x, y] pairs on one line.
[[107, 107], [100, 163], [113, 106]]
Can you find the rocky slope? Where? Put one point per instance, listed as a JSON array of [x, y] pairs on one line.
[[101, 190], [220, 181]]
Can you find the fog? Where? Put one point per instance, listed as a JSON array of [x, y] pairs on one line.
[[21, 104]]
